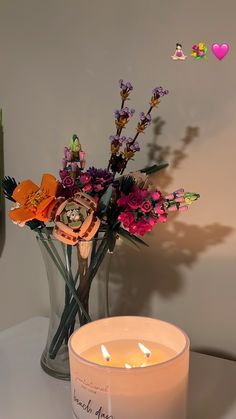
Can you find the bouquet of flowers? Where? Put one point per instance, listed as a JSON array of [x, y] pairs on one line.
[[89, 209], [199, 51]]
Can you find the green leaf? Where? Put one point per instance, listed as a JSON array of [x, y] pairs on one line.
[[155, 168], [104, 201], [8, 185], [132, 237]]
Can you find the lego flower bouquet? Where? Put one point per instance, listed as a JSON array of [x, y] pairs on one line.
[[79, 216]]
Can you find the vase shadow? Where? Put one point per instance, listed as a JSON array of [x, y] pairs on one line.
[[2, 200]]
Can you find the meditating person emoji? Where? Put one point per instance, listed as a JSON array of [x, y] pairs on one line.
[[179, 54]]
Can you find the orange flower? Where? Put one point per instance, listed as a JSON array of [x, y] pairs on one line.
[[34, 202]]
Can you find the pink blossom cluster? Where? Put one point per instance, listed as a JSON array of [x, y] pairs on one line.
[[141, 210]]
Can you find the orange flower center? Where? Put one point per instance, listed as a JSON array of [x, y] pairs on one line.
[[35, 199]]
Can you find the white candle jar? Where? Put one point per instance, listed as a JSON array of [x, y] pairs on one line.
[[157, 391]]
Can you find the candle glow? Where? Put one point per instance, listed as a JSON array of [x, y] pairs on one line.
[[105, 353]]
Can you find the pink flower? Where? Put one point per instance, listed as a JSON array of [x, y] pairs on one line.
[[68, 182], [69, 155], [98, 187], [87, 188], [162, 218], [133, 228], [126, 218], [180, 192], [180, 199], [146, 206], [63, 173], [74, 166], [152, 221], [64, 163], [170, 196], [122, 201], [143, 227], [85, 178], [173, 208], [183, 208], [156, 195], [134, 200], [159, 209]]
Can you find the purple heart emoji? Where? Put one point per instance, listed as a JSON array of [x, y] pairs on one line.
[[220, 50]]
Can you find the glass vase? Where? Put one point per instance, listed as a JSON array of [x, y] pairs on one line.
[[70, 272]]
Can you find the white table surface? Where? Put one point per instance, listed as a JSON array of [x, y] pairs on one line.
[[26, 392]]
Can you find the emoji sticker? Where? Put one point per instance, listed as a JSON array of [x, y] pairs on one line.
[[179, 54], [220, 50], [199, 51]]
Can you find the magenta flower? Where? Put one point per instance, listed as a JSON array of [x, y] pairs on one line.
[[85, 178], [146, 206], [133, 228], [143, 227], [134, 200], [68, 182], [74, 166], [126, 218], [64, 173], [156, 195], [162, 218], [159, 209], [87, 188], [69, 155], [122, 201]]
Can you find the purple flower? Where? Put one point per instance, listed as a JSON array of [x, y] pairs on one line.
[[129, 140], [69, 155], [68, 182], [74, 166], [64, 163], [159, 91], [135, 146], [126, 87], [124, 113], [100, 178], [146, 119], [116, 139], [63, 173]]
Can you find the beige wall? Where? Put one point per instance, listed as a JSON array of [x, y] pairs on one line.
[[60, 62]]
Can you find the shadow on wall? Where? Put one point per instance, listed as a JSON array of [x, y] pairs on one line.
[[2, 200], [136, 277]]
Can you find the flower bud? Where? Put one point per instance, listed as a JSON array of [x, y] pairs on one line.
[[74, 166], [64, 163]]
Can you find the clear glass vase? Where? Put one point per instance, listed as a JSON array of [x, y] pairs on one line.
[[70, 272]]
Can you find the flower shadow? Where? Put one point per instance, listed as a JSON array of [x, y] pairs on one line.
[[136, 277]]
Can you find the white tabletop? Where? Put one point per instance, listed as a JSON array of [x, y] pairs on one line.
[[26, 392]]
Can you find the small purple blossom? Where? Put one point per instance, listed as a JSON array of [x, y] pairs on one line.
[[159, 91], [129, 140], [125, 87], [135, 146], [116, 139], [146, 119], [124, 113]]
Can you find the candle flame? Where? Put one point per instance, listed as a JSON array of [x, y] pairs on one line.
[[105, 353], [128, 366], [145, 350]]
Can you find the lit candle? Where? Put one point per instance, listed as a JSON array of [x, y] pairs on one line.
[[129, 368]]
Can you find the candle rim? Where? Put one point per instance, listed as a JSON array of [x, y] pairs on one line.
[[128, 370]]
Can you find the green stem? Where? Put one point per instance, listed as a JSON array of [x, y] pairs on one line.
[[60, 267]]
